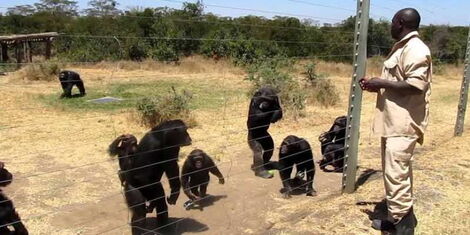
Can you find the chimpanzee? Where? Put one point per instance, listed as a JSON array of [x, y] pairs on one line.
[[265, 108], [195, 176], [68, 79], [125, 147], [157, 153], [8, 214], [296, 151], [332, 145]]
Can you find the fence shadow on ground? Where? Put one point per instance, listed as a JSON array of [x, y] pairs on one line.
[[176, 226], [367, 175]]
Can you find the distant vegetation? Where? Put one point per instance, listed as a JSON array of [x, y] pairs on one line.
[[167, 34]]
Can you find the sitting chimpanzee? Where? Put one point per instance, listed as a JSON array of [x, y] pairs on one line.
[[296, 151], [157, 153], [195, 176], [125, 147], [332, 145], [8, 214], [265, 108], [68, 79]]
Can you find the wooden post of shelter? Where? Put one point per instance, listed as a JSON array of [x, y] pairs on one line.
[[25, 51], [30, 53], [4, 52], [18, 54], [48, 49]]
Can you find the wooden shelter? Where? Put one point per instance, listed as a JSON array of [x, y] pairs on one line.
[[22, 44]]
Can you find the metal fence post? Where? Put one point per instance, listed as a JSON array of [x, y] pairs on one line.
[[355, 97], [463, 93]]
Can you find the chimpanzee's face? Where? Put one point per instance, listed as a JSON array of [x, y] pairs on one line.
[[62, 75], [266, 99], [183, 136], [290, 144], [129, 142], [198, 161]]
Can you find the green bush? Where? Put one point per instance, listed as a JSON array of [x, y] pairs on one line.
[[438, 67], [276, 72], [324, 92], [321, 90], [164, 52], [174, 105], [137, 51], [310, 73]]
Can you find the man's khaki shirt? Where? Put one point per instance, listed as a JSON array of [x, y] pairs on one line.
[[405, 115]]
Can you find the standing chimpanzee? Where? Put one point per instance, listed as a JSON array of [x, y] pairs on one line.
[[8, 214], [296, 151], [157, 153], [265, 108], [332, 145], [195, 176], [68, 79], [125, 146]]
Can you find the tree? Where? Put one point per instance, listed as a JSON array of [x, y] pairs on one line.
[[23, 10], [58, 7], [102, 8]]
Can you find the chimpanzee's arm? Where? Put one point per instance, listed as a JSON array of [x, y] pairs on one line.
[[185, 180], [173, 174], [215, 170]]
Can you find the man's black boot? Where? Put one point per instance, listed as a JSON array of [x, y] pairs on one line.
[[383, 225], [407, 224]]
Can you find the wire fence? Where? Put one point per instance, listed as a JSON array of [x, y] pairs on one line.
[[227, 142]]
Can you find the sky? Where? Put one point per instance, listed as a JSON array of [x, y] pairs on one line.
[[452, 12]]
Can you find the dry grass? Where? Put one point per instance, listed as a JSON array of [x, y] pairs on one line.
[[38, 72], [189, 65], [38, 139]]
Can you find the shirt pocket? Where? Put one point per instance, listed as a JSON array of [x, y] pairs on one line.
[[390, 68]]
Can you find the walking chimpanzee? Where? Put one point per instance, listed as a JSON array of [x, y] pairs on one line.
[[265, 108], [332, 143], [195, 176], [68, 79], [8, 214], [295, 151], [157, 154]]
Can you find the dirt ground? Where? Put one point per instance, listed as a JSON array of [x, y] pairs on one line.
[[65, 183]]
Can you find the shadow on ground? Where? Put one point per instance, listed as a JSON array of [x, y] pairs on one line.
[[175, 226], [207, 202], [367, 175]]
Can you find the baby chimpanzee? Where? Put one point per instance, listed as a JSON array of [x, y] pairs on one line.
[[295, 151], [8, 214], [195, 176]]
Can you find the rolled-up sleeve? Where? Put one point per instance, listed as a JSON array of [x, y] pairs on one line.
[[417, 66]]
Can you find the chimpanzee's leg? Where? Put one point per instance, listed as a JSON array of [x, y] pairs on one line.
[[81, 87], [160, 203]]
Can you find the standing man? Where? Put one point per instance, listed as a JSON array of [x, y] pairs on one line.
[[402, 112]]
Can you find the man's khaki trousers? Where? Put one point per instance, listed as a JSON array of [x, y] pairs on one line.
[[397, 155]]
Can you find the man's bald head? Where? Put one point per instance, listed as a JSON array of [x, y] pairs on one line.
[[405, 21]]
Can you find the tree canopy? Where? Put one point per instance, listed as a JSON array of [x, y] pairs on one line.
[[103, 32]]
